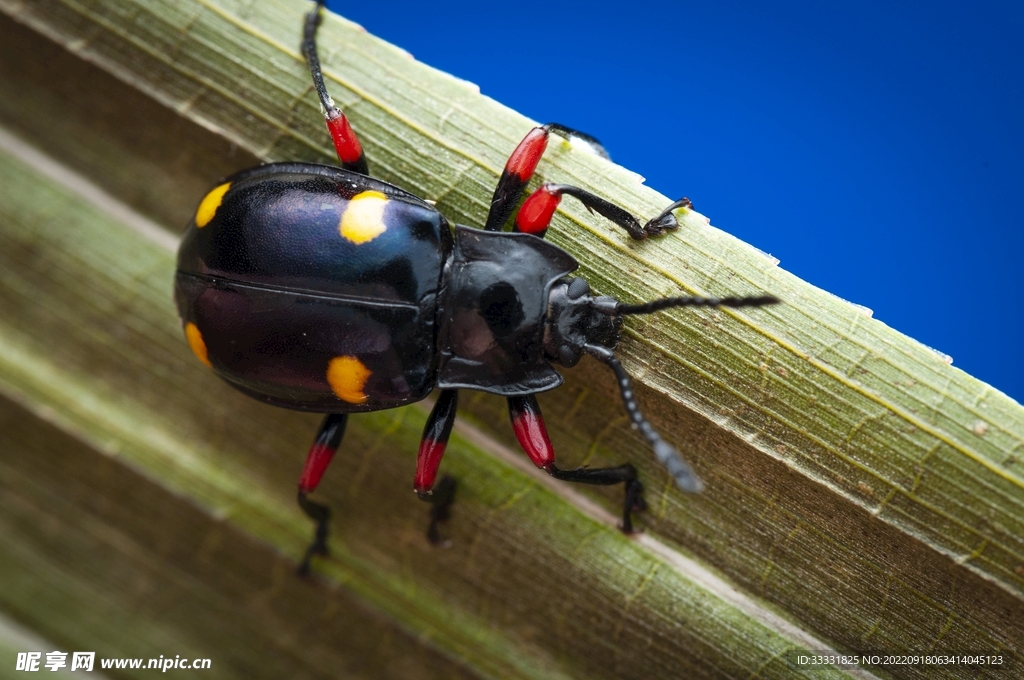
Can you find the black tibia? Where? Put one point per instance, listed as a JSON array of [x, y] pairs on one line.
[[506, 197], [321, 514], [622, 217], [310, 53], [441, 503], [625, 474]]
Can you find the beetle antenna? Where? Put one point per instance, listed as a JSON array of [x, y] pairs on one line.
[[684, 475], [666, 303]]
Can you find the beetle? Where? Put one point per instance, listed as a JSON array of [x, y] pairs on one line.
[[319, 288]]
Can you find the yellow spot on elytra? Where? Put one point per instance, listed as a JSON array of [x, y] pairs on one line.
[[208, 208], [195, 342], [363, 219], [347, 376]]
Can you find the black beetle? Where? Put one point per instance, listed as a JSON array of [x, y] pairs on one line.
[[321, 289]]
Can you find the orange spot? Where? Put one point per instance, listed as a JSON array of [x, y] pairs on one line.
[[363, 219], [195, 342], [347, 376], [208, 207]]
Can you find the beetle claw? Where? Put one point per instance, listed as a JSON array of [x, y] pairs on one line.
[[667, 221]]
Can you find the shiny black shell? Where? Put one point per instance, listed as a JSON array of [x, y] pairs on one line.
[[315, 288], [494, 310]]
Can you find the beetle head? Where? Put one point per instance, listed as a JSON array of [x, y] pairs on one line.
[[578, 323]]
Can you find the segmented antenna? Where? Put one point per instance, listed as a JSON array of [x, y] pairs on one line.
[[663, 451], [666, 303]]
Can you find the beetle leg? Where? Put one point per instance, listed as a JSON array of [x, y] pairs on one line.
[[520, 166], [435, 439], [441, 499], [328, 438], [516, 175], [528, 424], [536, 213], [350, 151]]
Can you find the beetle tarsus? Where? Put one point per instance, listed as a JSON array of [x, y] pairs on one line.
[[321, 514], [634, 502], [440, 499], [667, 221], [625, 474]]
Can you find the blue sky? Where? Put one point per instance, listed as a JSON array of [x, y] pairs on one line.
[[876, 148]]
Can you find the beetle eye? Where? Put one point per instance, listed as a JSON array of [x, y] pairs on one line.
[[578, 287]]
